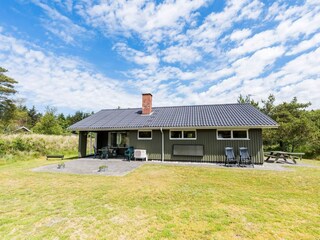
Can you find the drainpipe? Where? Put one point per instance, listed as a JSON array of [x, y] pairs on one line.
[[162, 145]]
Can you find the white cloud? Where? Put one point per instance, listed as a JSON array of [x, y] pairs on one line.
[[60, 25], [136, 56], [256, 42], [252, 10], [151, 21], [48, 79], [305, 45], [292, 24], [253, 66], [182, 54], [305, 66], [183, 57], [215, 23], [304, 25], [238, 35], [299, 77], [68, 4]]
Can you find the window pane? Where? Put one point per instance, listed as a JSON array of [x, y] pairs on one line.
[[189, 134], [239, 134], [145, 134], [224, 134], [176, 134]]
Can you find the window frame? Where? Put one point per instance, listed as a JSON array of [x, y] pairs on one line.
[[182, 134], [139, 138], [231, 134]]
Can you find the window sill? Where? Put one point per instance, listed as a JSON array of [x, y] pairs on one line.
[[233, 139]]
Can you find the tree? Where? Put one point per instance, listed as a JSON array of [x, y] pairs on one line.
[[268, 105], [248, 99], [312, 147], [62, 121], [7, 106], [34, 117], [19, 118], [6, 85], [78, 116], [269, 135], [295, 127], [7, 113], [49, 123]]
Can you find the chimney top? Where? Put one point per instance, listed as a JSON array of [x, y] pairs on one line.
[[146, 103]]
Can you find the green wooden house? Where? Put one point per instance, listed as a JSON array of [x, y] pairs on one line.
[[197, 133]]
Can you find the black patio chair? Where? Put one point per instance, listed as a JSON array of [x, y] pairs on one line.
[[129, 153], [104, 153], [230, 157], [245, 158]]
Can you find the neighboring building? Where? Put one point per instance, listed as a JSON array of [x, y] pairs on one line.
[[22, 129], [182, 133]]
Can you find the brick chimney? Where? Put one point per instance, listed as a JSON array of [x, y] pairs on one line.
[[146, 103]]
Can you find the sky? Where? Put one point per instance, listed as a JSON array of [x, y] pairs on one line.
[[89, 55]]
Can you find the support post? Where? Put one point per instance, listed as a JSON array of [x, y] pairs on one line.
[[82, 150], [162, 145]]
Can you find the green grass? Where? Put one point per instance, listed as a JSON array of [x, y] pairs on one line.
[[159, 202]]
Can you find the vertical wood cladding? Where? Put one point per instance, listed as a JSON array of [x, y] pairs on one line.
[[213, 148]]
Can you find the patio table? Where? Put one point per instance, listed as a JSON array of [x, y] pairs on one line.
[[278, 155]]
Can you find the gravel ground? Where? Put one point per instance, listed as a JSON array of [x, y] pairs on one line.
[[265, 166], [118, 167]]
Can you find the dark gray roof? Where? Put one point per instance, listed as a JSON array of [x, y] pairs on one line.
[[196, 116]]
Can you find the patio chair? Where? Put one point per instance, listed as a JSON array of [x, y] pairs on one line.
[[129, 153], [245, 158], [104, 153], [230, 157], [95, 152]]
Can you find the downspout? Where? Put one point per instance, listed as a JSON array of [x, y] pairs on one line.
[[162, 145]]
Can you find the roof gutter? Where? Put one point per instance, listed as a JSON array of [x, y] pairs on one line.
[[170, 128]]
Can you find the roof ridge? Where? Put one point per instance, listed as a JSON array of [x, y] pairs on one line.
[[200, 105]]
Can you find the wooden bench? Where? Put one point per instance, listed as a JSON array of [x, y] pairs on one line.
[[55, 156]]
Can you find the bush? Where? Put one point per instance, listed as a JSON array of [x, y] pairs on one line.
[[25, 146], [20, 144]]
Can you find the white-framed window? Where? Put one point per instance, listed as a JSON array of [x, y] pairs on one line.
[[183, 135], [145, 135], [233, 134]]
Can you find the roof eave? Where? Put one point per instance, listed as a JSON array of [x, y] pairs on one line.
[[174, 127]]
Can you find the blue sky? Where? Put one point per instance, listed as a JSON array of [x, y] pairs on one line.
[[88, 55]]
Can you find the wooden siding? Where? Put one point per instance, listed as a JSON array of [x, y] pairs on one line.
[[153, 146], [213, 148]]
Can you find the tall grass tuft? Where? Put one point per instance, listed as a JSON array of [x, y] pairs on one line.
[[27, 146]]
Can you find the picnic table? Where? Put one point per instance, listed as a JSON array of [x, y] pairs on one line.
[[278, 155]]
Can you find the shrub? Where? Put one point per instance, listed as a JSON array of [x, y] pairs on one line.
[[27, 146]]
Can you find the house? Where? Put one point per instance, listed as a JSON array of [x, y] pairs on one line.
[[22, 129], [196, 133]]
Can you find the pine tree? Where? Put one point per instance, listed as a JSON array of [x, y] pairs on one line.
[[6, 85], [7, 106]]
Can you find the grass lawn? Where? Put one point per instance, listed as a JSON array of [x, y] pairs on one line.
[[160, 202]]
